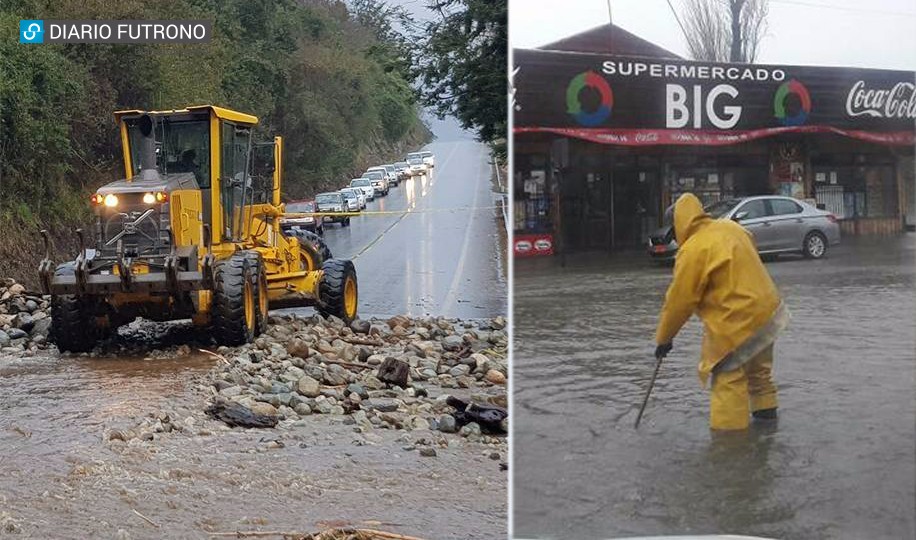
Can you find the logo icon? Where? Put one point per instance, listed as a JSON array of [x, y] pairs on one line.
[[589, 99], [792, 103], [31, 31]]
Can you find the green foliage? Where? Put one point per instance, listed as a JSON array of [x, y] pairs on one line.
[[463, 64], [331, 79]]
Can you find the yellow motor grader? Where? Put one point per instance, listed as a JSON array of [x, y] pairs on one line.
[[192, 231]]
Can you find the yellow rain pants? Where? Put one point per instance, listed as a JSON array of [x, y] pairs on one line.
[[737, 393]]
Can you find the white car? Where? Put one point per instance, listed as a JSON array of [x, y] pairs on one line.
[[417, 166], [428, 158], [366, 186], [403, 170], [351, 201], [389, 176], [379, 181], [358, 193], [393, 174]]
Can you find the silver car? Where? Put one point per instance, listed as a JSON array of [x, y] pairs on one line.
[[782, 224], [366, 185]]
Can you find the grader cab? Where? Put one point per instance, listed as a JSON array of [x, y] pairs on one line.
[[192, 231]]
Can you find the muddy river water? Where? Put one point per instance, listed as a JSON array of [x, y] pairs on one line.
[[840, 463], [61, 478]]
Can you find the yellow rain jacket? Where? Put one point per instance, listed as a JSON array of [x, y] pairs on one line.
[[719, 276]]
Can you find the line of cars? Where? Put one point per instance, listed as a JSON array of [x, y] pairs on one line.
[[375, 182], [779, 225]]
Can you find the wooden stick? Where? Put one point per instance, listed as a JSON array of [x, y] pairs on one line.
[[362, 341], [253, 534], [146, 519], [348, 364], [215, 355]]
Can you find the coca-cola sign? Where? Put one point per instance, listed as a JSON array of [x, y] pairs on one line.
[[896, 102], [646, 101]]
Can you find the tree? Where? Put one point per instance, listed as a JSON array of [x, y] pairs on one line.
[[725, 30], [462, 65]]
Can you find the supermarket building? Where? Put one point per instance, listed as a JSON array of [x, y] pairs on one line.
[[610, 129]]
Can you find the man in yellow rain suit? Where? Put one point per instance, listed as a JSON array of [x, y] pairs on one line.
[[719, 276]]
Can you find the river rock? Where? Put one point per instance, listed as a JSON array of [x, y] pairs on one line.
[[308, 387], [453, 343], [298, 347], [380, 404], [459, 370], [398, 320], [428, 451], [495, 377], [23, 320], [360, 326], [358, 389], [4, 339], [16, 333], [447, 424]]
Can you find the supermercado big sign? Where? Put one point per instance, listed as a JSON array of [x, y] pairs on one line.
[[629, 100]]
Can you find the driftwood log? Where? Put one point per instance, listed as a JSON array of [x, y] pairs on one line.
[[488, 417], [394, 371]]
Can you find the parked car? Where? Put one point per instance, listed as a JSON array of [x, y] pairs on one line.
[[417, 166], [403, 170], [428, 158], [390, 177], [307, 223], [351, 201], [332, 203], [393, 174], [379, 181], [359, 194], [366, 186], [779, 225]]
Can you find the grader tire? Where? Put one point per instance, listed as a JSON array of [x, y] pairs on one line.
[[234, 311], [258, 275], [338, 293], [71, 329], [314, 246], [320, 246]]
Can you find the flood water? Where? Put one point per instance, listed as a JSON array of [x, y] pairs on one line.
[[840, 462], [60, 477]]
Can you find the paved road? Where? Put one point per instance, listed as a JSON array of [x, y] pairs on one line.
[[839, 464], [438, 252]]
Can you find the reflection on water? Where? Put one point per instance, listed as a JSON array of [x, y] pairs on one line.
[[839, 463]]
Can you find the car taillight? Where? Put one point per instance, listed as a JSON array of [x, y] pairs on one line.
[[832, 218]]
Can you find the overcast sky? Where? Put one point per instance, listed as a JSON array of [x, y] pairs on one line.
[[856, 33]]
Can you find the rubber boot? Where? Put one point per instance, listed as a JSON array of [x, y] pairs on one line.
[[765, 414]]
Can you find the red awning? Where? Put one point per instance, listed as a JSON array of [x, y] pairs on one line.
[[689, 137]]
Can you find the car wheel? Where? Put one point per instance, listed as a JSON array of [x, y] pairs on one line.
[[815, 245]]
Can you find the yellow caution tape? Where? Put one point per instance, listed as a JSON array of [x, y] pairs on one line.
[[384, 212]]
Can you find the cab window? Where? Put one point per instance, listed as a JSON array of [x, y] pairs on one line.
[[182, 146]]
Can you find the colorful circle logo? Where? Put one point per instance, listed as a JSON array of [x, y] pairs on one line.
[[589, 98], [792, 103]]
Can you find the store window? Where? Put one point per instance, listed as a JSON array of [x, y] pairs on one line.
[[860, 188], [532, 194]]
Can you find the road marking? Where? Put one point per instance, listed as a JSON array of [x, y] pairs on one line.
[[403, 214], [451, 297]]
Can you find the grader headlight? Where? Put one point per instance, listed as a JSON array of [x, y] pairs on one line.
[[157, 197], [110, 200]]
